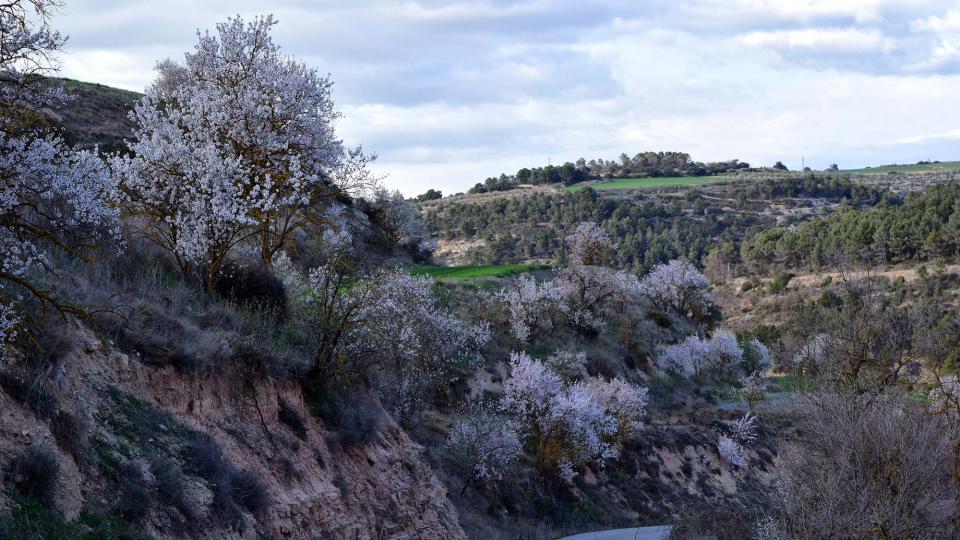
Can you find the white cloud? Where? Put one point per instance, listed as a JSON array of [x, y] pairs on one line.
[[837, 40], [448, 93]]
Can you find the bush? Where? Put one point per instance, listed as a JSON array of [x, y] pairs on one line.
[[135, 498], [355, 416], [660, 318], [248, 491], [169, 484], [27, 390], [71, 433], [35, 474], [204, 458], [252, 286]]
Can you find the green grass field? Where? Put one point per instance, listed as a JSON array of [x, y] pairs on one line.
[[461, 273], [942, 166], [640, 183]]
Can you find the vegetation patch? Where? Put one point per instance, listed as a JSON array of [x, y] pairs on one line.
[[641, 183], [461, 273]]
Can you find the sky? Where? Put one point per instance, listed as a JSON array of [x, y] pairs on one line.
[[449, 93]]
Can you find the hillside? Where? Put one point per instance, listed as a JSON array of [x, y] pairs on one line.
[[237, 332]]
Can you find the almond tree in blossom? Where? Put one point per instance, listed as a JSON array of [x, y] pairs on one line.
[[50, 195], [531, 306], [679, 286], [695, 356], [569, 424], [233, 146]]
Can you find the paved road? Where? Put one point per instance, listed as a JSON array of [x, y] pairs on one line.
[[636, 533]]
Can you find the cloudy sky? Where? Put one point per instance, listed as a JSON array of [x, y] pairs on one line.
[[448, 93]]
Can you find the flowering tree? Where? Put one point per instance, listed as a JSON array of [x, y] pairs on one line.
[[49, 195], [233, 146], [753, 390], [756, 357], [530, 306], [569, 424], [568, 365], [743, 433], [590, 245], [386, 329], [678, 285], [695, 356], [592, 294], [400, 219], [486, 445]]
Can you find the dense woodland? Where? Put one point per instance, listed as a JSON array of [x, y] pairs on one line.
[[925, 227], [642, 165], [648, 231]]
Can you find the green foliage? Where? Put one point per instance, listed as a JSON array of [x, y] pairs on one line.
[[925, 227], [461, 273], [640, 183], [30, 520]]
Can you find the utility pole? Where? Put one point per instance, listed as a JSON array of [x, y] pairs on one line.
[[803, 163]]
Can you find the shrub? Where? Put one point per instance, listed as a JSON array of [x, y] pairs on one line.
[[204, 458], [354, 415], [660, 318], [35, 474], [71, 433], [248, 491], [135, 497], [169, 484], [28, 391], [252, 286]]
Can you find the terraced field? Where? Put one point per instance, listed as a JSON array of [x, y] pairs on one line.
[[462, 273], [926, 167]]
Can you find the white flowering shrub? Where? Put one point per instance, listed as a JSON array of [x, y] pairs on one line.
[[679, 286], [744, 430], [624, 401], [731, 451], [753, 390], [231, 146], [813, 353], [743, 433], [392, 330], [570, 366], [50, 195], [756, 357], [400, 219], [593, 294], [695, 356], [569, 423], [485, 445], [590, 245], [530, 306]]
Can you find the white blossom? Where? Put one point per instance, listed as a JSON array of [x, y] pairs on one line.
[[487, 445], [744, 430], [568, 365], [411, 347], [814, 352], [573, 423], [731, 451], [756, 357], [530, 305], [8, 325], [231, 146], [590, 245], [566, 472], [678, 285], [694, 356], [593, 294]]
